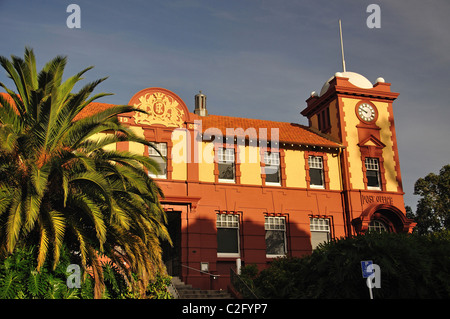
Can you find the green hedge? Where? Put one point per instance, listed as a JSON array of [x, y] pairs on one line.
[[412, 266]]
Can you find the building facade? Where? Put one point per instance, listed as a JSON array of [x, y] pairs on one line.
[[247, 191]]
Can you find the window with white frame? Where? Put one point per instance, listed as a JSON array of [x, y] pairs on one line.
[[315, 164], [227, 235], [377, 226], [226, 164], [161, 160], [320, 231], [272, 168], [275, 236], [373, 173]]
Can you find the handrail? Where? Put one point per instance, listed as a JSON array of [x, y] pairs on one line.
[[202, 271]]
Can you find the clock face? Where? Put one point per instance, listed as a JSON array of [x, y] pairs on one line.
[[366, 112]]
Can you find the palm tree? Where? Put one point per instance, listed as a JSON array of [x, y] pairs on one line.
[[58, 184]]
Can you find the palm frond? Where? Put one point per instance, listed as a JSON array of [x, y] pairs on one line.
[[30, 61], [43, 245], [57, 221], [12, 74], [14, 223]]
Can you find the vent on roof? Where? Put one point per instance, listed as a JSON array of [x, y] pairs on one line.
[[200, 104]]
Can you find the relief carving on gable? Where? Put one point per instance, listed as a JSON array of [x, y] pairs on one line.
[[161, 108]]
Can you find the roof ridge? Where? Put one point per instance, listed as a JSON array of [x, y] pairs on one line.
[[255, 119], [291, 133]]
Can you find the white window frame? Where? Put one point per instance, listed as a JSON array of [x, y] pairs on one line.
[[226, 156], [373, 164], [229, 221], [273, 159], [320, 225], [162, 148], [316, 162], [378, 226], [275, 223]]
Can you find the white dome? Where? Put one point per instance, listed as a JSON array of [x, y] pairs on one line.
[[354, 78]]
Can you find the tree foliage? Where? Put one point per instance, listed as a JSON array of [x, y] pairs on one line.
[[60, 184], [412, 266], [433, 209]]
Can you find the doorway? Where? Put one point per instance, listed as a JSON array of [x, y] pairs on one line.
[[172, 254]]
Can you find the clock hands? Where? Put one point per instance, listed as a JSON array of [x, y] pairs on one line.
[[366, 112]]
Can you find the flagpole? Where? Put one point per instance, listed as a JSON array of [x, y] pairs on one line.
[[342, 46]]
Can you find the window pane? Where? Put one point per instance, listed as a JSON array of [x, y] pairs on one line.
[[377, 226], [320, 231], [226, 171], [318, 237], [225, 155], [227, 240], [372, 179], [227, 221], [162, 164], [372, 164], [161, 161], [226, 163], [315, 162], [275, 235], [319, 224], [273, 177], [275, 242], [272, 167], [315, 176]]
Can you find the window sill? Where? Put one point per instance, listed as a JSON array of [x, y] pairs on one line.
[[273, 184], [228, 255], [372, 188], [157, 177], [229, 181], [317, 186], [275, 256]]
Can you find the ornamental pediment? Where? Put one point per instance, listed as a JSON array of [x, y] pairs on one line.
[[163, 107], [371, 141]]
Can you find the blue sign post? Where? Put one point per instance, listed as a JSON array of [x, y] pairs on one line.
[[367, 271]]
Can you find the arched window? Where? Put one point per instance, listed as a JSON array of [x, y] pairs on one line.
[[377, 226]]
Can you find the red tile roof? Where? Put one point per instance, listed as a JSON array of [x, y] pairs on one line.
[[288, 132], [93, 108], [90, 109]]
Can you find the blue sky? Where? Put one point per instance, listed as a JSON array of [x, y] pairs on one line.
[[255, 58]]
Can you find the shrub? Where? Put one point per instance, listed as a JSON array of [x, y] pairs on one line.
[[158, 288], [412, 266], [19, 279]]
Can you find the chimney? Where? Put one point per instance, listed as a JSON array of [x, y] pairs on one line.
[[200, 104]]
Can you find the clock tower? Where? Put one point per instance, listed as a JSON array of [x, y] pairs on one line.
[[359, 115]]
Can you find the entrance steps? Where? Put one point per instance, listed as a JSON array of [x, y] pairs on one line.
[[188, 292]]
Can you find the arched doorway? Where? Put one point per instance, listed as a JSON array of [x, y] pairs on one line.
[[383, 217]]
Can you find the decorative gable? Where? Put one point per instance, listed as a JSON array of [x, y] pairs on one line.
[[162, 106], [371, 147]]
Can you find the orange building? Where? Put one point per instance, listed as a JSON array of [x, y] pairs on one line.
[[248, 191]]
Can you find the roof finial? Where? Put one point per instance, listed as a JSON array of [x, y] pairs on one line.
[[342, 46]]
